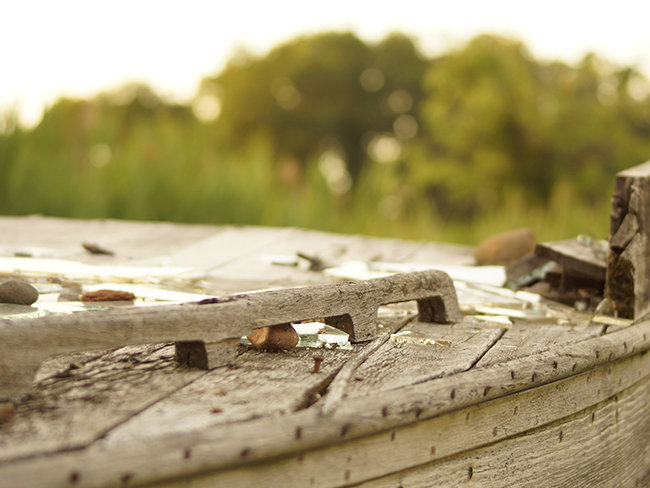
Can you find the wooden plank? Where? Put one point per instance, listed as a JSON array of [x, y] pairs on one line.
[[62, 238], [107, 387], [350, 306], [604, 445], [138, 383], [336, 391], [256, 385], [434, 253], [180, 437], [575, 257], [226, 246], [422, 353], [628, 271], [355, 460], [524, 339], [255, 441], [256, 269]]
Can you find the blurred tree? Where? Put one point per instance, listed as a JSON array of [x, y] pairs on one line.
[[326, 92], [466, 136], [498, 121]]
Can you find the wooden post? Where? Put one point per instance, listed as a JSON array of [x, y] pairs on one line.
[[628, 269]]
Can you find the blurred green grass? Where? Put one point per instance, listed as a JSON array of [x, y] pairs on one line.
[[167, 170]]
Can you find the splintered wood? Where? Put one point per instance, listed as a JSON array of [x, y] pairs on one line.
[[627, 269]]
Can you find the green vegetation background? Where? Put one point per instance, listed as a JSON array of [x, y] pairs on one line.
[[333, 133]]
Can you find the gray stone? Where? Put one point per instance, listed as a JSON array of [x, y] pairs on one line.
[[19, 292]]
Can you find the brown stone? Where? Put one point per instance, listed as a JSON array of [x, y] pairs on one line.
[[107, 296], [505, 248], [274, 337]]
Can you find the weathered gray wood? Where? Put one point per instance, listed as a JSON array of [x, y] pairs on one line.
[[628, 271], [240, 258], [257, 440], [601, 446], [425, 352], [131, 241], [257, 385], [336, 390], [199, 458], [351, 306], [77, 402], [575, 256], [206, 355], [254, 423], [524, 339]]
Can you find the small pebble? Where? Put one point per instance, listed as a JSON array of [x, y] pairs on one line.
[[96, 249], [107, 296], [18, 292]]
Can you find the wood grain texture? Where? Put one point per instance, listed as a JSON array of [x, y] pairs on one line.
[[336, 391], [257, 441], [350, 306], [425, 352], [257, 385], [130, 241], [628, 271], [77, 402], [510, 418], [132, 417], [525, 338], [602, 446]]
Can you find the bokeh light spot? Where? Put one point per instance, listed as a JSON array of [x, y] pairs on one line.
[[372, 80], [400, 101], [384, 149], [206, 108], [332, 167], [405, 126], [638, 88], [285, 93], [100, 155]]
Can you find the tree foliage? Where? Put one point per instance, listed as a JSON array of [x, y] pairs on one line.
[[497, 121], [484, 136], [323, 92]]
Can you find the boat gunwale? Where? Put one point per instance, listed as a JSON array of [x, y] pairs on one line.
[[229, 446]]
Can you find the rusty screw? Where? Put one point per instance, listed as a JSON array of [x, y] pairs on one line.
[[317, 361]]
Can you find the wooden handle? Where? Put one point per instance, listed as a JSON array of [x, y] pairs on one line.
[[350, 306]]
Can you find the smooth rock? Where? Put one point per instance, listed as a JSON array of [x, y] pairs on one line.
[[18, 292], [505, 248], [274, 337]]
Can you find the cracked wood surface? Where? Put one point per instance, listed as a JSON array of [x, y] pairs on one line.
[[443, 404], [351, 306], [434, 351]]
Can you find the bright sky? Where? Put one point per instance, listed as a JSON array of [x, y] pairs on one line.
[[80, 47]]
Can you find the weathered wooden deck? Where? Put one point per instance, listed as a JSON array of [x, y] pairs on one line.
[[522, 392]]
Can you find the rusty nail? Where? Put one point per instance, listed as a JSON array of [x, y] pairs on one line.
[[7, 412], [317, 361]]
